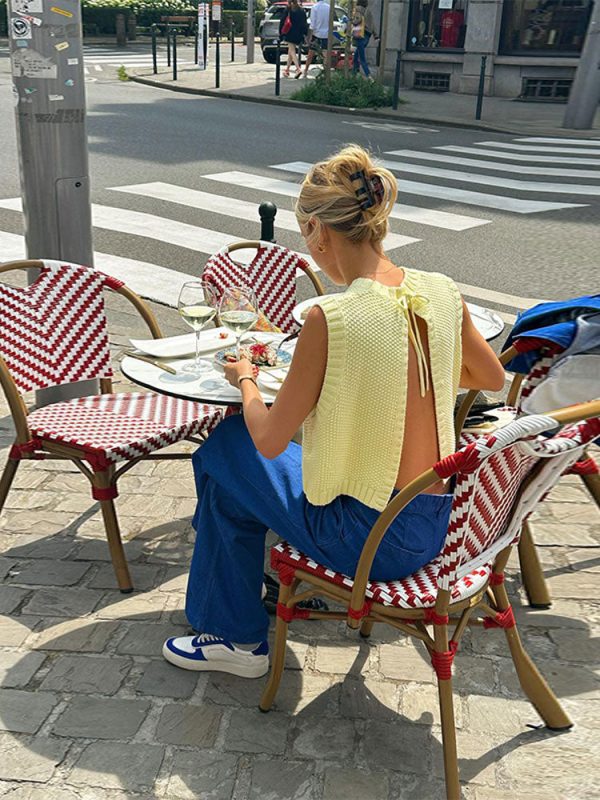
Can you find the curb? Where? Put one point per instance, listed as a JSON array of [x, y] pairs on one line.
[[449, 122]]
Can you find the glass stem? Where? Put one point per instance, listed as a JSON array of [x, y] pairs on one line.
[[197, 359], [237, 346]]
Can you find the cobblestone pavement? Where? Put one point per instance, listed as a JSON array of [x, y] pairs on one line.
[[89, 710]]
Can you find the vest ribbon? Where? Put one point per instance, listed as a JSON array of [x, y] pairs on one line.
[[412, 305]]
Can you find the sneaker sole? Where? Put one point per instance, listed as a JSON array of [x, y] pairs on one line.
[[254, 670]]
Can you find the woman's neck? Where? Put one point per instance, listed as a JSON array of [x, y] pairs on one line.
[[364, 260]]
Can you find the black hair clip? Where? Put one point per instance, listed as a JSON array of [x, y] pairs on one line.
[[370, 191]]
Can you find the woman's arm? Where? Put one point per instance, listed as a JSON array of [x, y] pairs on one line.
[[480, 366], [272, 430]]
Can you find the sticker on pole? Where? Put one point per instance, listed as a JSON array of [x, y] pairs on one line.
[[26, 6], [20, 28], [31, 64], [216, 10]]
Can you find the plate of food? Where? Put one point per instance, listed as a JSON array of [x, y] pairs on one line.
[[261, 355], [185, 344], [300, 312]]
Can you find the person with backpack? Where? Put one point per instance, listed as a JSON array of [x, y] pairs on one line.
[[293, 29], [363, 28]]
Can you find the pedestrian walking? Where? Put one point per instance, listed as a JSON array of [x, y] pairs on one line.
[[363, 28], [293, 29], [318, 33]]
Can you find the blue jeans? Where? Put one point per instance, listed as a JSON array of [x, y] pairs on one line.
[[241, 495], [360, 54]]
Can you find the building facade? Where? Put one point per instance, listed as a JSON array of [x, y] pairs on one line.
[[532, 46]]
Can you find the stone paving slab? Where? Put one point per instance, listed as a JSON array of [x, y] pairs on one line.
[[90, 711]]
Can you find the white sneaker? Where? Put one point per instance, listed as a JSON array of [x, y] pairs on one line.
[[212, 653]]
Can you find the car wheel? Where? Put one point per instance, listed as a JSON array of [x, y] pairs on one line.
[[269, 56]]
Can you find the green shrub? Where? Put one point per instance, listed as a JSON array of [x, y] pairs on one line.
[[353, 91]]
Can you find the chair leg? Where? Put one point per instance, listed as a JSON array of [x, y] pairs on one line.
[[8, 475], [449, 739], [533, 684], [592, 483], [115, 545], [278, 661], [531, 571], [366, 628]]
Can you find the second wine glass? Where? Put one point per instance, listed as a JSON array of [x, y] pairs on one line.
[[197, 306], [238, 311]]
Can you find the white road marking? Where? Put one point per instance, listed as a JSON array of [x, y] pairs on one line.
[[230, 207], [151, 226], [459, 195], [557, 140], [492, 180], [421, 216], [535, 148], [492, 296], [390, 126], [518, 168], [583, 162], [98, 68]]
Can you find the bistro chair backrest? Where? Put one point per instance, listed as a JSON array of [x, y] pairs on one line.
[[55, 331], [272, 275], [496, 487]]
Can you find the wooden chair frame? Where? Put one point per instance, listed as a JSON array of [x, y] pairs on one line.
[[102, 480], [491, 602], [532, 573]]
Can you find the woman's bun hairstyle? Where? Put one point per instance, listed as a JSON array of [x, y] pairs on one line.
[[350, 193]]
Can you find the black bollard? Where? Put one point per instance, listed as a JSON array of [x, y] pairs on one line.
[[218, 58], [481, 87], [168, 30], [174, 54], [397, 80], [154, 63], [267, 212], [233, 41], [278, 68], [196, 43]]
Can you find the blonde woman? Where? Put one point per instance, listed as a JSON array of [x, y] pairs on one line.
[[373, 383]]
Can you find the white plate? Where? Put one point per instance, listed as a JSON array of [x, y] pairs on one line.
[[306, 304], [272, 381], [185, 344]]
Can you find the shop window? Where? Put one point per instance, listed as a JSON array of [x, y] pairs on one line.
[[544, 26], [437, 24]]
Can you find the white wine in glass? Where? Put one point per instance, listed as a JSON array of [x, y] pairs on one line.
[[238, 311], [197, 306]]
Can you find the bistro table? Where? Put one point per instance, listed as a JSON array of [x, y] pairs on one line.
[[212, 388]]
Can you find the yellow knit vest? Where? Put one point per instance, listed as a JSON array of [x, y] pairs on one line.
[[352, 440]]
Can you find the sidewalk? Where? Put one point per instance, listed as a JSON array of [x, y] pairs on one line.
[[90, 711], [256, 83]]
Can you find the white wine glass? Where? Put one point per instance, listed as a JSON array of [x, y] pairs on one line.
[[197, 306], [238, 311]]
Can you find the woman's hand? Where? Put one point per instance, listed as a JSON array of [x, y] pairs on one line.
[[235, 370]]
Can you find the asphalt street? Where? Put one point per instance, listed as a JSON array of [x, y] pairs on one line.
[[519, 219]]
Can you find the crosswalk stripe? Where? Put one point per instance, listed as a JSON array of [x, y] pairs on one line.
[[507, 146], [477, 151], [458, 195], [98, 68], [421, 216], [518, 168], [492, 180], [557, 140], [151, 226], [492, 296], [230, 207]]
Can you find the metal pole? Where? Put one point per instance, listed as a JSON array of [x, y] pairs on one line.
[[250, 33], [50, 116], [278, 68], [174, 54], [329, 59], [585, 91], [233, 41], [481, 87], [397, 80], [196, 42], [218, 57], [168, 45], [154, 62], [267, 212]]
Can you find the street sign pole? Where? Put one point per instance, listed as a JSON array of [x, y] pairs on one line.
[[585, 92], [250, 33], [50, 113]]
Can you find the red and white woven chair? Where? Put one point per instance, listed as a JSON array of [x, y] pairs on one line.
[[55, 332], [499, 478], [271, 273], [586, 467]]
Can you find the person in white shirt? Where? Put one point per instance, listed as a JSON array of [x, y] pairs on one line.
[[318, 33]]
